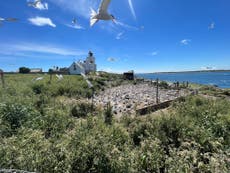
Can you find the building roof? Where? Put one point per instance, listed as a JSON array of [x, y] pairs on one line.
[[79, 65], [129, 72], [36, 70]]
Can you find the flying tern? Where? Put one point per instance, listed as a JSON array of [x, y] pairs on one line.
[[38, 4], [211, 26], [74, 21], [7, 20], [102, 13], [34, 4]]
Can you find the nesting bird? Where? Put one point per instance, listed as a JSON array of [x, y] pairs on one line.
[[37, 79], [60, 77], [102, 13], [90, 85]]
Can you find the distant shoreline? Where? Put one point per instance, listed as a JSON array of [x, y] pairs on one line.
[[198, 71]]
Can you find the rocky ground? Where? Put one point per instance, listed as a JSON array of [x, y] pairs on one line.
[[128, 98]]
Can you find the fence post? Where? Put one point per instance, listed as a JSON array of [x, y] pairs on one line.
[[2, 78], [157, 91], [92, 106], [51, 76]]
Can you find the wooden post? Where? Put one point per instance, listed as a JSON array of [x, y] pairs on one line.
[[157, 91], [2, 78], [51, 76], [177, 85], [92, 106]]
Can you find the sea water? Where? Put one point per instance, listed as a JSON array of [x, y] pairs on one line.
[[220, 79]]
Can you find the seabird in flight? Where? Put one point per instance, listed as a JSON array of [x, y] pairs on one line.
[[7, 20], [102, 13], [34, 4]]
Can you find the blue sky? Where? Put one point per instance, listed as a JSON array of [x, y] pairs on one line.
[[152, 35]]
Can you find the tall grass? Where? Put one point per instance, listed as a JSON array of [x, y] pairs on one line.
[[44, 129]]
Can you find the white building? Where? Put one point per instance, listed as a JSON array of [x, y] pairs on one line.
[[36, 70], [84, 67]]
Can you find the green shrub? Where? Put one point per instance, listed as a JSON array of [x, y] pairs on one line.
[[30, 151], [108, 114], [81, 110], [38, 134], [100, 148], [24, 70], [13, 117], [150, 156], [38, 88], [226, 92], [54, 123], [164, 85]]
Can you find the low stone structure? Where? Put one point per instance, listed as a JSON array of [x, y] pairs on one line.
[[126, 99], [128, 75]]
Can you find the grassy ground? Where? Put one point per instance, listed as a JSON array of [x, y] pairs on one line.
[[44, 127]]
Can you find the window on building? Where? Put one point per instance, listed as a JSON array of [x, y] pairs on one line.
[[74, 67]]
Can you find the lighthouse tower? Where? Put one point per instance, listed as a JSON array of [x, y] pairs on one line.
[[90, 65]]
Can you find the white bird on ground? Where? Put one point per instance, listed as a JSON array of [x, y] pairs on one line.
[[90, 85], [37, 79], [7, 20], [84, 76], [60, 77], [102, 13]]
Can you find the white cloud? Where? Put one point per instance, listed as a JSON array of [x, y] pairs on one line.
[[119, 35], [126, 26], [211, 26], [106, 69], [78, 7], [112, 70], [154, 53], [132, 9], [41, 21], [76, 26], [42, 6], [23, 48], [82, 7], [112, 59], [185, 41], [208, 68]]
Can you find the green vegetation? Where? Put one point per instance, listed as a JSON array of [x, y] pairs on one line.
[[45, 127], [214, 91], [24, 70]]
